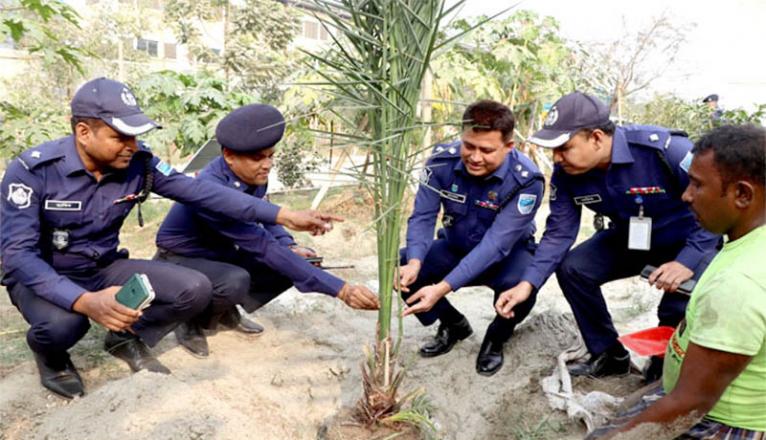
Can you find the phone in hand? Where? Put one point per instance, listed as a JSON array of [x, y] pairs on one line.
[[137, 293], [685, 288]]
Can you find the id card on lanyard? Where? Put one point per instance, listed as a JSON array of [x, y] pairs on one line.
[[640, 229]]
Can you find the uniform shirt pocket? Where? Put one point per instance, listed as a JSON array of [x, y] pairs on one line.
[[486, 215], [455, 208]]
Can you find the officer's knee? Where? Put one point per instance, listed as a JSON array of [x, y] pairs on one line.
[[568, 269], [58, 333], [195, 293], [236, 284]]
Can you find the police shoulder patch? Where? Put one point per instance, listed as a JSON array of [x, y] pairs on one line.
[[164, 168], [526, 203], [425, 175], [20, 195], [686, 162]]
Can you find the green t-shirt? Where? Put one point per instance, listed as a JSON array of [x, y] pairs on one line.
[[727, 312]]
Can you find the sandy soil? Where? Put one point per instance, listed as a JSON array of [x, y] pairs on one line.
[[285, 383]]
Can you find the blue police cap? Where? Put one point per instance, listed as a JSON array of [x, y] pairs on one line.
[[710, 98], [114, 103], [567, 115], [251, 128]]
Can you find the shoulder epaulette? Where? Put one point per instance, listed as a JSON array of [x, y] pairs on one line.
[[446, 151], [143, 146], [524, 170], [654, 137], [651, 136], [41, 154]]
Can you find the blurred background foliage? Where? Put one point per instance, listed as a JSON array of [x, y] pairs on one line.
[[521, 60]]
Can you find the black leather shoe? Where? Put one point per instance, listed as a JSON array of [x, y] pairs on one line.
[[58, 374], [653, 371], [490, 358], [190, 337], [602, 365], [233, 320], [131, 349], [446, 337]]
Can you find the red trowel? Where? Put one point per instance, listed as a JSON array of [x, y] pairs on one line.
[[653, 341], [649, 342]]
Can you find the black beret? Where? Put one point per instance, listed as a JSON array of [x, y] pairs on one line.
[[711, 98], [251, 128]]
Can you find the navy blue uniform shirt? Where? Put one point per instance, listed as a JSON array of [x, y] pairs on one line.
[[642, 157], [56, 217], [483, 217], [191, 233]]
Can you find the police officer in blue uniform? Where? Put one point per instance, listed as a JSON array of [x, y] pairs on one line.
[[489, 192], [62, 206], [634, 176], [248, 263], [716, 113]]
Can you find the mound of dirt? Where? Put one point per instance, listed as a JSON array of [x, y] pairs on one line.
[[288, 382]]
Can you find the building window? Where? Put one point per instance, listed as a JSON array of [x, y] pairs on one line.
[[323, 34], [170, 51], [311, 30], [148, 46]]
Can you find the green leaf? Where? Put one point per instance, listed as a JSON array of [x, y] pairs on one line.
[[16, 28]]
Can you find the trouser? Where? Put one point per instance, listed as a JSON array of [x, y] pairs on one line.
[[180, 294], [605, 257], [241, 281], [501, 276]]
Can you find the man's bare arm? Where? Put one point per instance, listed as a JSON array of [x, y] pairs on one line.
[[705, 374]]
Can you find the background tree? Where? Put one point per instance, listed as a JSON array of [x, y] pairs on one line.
[[616, 70], [693, 117], [257, 34], [519, 60], [188, 106], [36, 105], [35, 25]]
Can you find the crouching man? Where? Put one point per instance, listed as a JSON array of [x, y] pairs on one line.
[[489, 193], [715, 365], [248, 263], [63, 205]]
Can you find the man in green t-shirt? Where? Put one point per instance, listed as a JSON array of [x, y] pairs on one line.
[[715, 365]]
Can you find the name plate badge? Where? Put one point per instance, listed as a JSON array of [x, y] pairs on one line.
[[63, 205], [587, 200]]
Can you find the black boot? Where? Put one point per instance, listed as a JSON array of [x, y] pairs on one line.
[[190, 336], [131, 349], [233, 320], [446, 337], [490, 358], [58, 374], [613, 362]]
